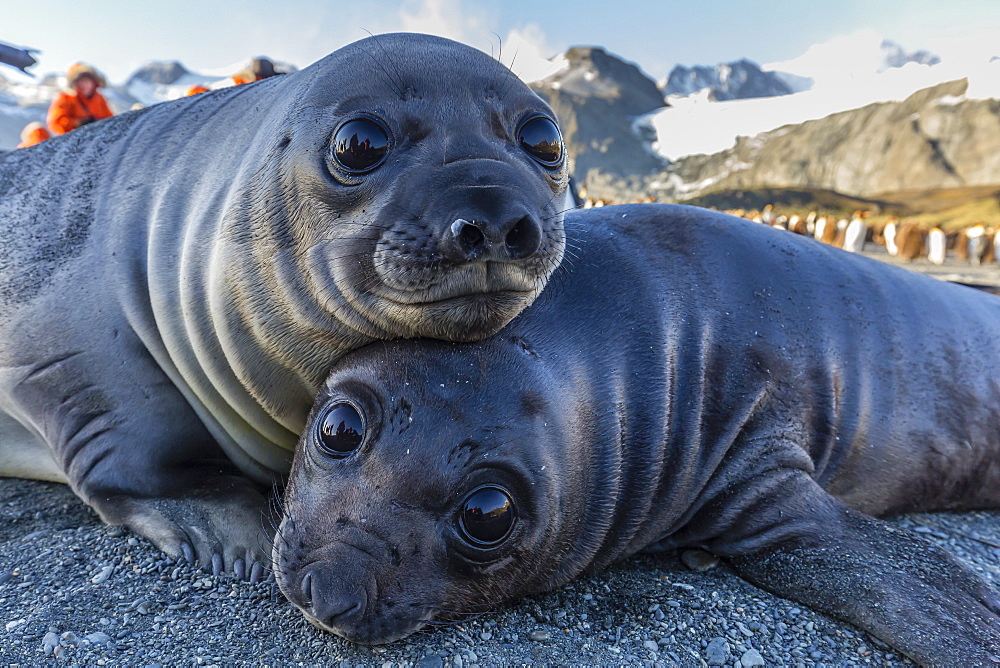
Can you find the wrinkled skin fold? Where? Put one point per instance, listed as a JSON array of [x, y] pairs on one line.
[[691, 380]]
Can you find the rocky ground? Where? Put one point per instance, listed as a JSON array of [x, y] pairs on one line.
[[75, 591]]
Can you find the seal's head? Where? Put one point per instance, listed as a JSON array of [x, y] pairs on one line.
[[421, 187], [412, 500]]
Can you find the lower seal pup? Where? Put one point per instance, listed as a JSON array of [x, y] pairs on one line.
[[175, 282], [691, 380]]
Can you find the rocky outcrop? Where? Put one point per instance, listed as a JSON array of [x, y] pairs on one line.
[[934, 139], [158, 72], [893, 55], [597, 98]]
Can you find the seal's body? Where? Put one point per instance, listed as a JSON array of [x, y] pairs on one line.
[[691, 379], [182, 277]]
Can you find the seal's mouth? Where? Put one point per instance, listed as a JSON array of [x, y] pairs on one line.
[[495, 296], [488, 281], [360, 637]]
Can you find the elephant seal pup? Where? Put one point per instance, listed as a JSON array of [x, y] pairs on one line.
[[692, 380], [175, 282]]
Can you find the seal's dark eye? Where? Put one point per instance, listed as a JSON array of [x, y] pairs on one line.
[[541, 139], [360, 145], [340, 429], [488, 516]]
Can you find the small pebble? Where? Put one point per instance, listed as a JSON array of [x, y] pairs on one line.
[[539, 636], [651, 646], [751, 658], [699, 560], [429, 661], [98, 639], [103, 576], [49, 642], [717, 652]]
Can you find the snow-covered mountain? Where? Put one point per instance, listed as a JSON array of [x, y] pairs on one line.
[[893, 55], [739, 79], [845, 73]]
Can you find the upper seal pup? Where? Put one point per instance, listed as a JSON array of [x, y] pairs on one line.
[[175, 282], [691, 380]]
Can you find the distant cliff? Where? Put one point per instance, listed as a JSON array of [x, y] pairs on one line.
[[597, 98], [936, 138]]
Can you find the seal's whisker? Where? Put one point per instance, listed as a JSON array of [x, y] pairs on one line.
[[564, 212], [395, 66], [404, 210], [388, 77], [514, 79]]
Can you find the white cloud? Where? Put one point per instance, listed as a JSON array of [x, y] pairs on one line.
[[524, 49], [527, 53], [446, 18]]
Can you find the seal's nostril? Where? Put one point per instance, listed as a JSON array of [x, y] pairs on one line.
[[330, 600], [524, 238], [307, 596], [334, 609], [467, 234]]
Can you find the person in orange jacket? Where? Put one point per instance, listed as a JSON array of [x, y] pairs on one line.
[[81, 105], [33, 133], [259, 68]]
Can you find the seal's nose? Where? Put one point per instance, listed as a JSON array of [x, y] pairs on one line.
[[514, 239], [331, 601]]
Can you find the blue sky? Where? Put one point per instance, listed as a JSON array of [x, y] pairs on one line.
[[119, 36]]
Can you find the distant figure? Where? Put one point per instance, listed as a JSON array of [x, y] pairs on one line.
[[80, 105], [33, 133], [259, 68], [856, 233], [828, 232], [978, 243], [194, 90], [840, 234], [936, 246], [910, 241], [889, 233], [820, 228], [797, 225]]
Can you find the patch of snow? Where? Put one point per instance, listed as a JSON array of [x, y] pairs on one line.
[[846, 75], [950, 100]]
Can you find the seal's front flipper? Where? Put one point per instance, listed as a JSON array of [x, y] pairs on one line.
[[112, 426], [220, 525], [801, 543]]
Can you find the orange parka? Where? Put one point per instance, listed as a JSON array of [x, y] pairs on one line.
[[69, 111], [34, 133]]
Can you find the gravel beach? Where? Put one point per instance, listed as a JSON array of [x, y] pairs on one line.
[[74, 589]]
